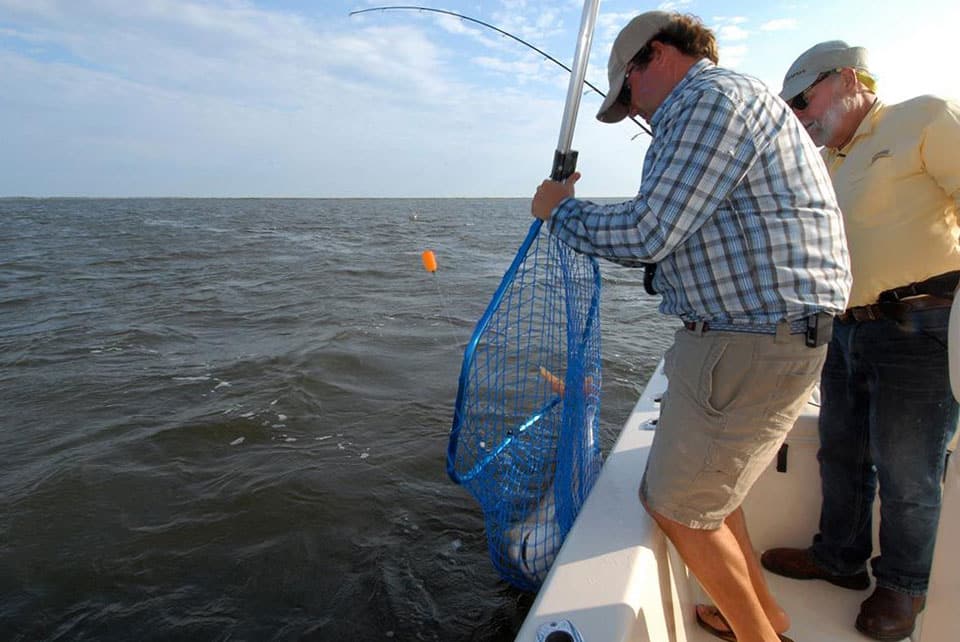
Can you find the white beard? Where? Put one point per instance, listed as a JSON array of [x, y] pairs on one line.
[[824, 129]]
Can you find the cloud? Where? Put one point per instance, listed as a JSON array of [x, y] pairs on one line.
[[731, 32], [780, 24], [221, 98], [527, 68], [732, 20], [536, 22], [178, 98], [733, 56], [680, 6]]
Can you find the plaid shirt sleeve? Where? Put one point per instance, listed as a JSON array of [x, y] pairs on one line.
[[699, 157]]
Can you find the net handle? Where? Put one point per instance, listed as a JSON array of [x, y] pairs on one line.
[[564, 164], [565, 159]]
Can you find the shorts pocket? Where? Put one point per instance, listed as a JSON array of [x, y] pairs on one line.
[[724, 461], [722, 376], [716, 489]]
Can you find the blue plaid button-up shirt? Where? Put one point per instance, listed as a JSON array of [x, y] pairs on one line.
[[735, 206]]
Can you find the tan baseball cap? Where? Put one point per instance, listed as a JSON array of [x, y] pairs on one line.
[[826, 56], [630, 40]]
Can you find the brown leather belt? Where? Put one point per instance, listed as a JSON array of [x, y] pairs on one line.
[[892, 310]]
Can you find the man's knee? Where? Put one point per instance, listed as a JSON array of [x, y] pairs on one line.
[[666, 524]]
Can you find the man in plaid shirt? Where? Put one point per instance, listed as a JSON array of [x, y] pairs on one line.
[[737, 211]]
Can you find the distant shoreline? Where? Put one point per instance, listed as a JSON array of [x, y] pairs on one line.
[[290, 198]]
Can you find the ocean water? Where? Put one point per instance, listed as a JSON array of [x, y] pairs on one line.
[[227, 419]]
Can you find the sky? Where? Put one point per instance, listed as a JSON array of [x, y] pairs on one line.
[[290, 98]]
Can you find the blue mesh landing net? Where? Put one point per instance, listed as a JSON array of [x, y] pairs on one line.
[[524, 440]]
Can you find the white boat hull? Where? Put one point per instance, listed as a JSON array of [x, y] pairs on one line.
[[616, 578]]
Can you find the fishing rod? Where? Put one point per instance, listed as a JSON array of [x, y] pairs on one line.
[[498, 30], [524, 449]]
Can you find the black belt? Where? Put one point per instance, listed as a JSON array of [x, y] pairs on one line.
[[942, 286], [893, 310], [796, 327]]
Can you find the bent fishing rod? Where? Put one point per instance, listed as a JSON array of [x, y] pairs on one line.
[[498, 30]]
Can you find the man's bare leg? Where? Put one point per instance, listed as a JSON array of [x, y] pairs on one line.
[[779, 619], [717, 560], [737, 523]]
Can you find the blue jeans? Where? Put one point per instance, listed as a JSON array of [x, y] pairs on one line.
[[887, 416]]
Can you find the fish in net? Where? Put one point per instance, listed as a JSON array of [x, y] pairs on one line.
[[524, 440]]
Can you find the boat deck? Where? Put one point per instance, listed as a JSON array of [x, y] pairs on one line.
[[819, 612], [617, 579]]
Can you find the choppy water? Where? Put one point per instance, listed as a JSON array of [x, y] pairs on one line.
[[227, 419]]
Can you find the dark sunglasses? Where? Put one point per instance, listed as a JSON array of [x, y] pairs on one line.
[[624, 96], [800, 102]]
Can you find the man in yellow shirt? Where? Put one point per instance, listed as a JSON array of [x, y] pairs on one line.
[[887, 410]]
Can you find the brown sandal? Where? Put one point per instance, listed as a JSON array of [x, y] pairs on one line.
[[725, 634]]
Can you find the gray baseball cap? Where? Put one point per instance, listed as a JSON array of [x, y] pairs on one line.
[[631, 39], [826, 56]]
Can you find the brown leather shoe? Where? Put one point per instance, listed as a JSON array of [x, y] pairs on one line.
[[889, 615], [799, 564]]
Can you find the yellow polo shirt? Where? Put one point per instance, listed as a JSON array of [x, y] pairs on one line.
[[898, 185]]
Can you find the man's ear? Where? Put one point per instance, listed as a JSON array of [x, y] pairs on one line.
[[656, 50], [848, 78]]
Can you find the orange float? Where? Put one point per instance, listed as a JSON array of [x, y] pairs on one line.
[[429, 260]]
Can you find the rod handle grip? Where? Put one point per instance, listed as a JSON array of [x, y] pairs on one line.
[[564, 164]]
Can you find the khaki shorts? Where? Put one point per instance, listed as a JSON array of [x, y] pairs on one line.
[[732, 398]]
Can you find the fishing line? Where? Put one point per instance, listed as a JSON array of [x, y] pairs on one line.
[[500, 31], [429, 260]]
